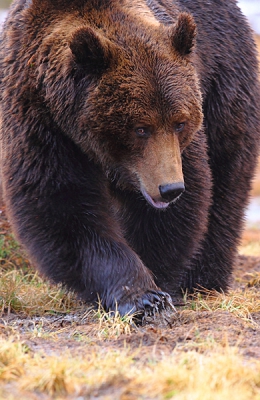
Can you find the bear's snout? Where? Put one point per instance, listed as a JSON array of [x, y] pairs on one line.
[[171, 192], [167, 193]]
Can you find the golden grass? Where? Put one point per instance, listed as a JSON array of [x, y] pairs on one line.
[[27, 292], [200, 369], [112, 325], [240, 302], [12, 358], [250, 244], [212, 371], [254, 280], [251, 249], [96, 356], [220, 374]]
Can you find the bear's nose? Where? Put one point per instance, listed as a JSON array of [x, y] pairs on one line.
[[171, 191]]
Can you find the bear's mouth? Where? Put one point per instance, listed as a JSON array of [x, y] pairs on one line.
[[158, 203]]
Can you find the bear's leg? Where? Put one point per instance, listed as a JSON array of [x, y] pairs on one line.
[[233, 147], [212, 268], [62, 213]]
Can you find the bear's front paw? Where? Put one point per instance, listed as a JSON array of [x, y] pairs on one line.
[[146, 304], [156, 301]]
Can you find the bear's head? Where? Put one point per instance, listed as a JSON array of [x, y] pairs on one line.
[[136, 100]]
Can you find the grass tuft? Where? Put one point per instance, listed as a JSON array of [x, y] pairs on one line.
[[241, 303], [12, 358], [220, 374], [112, 324], [28, 293]]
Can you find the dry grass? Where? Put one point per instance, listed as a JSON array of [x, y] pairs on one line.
[[112, 326], [95, 355], [250, 245], [240, 302], [30, 294], [219, 374]]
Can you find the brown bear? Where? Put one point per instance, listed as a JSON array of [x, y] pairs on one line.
[[130, 133]]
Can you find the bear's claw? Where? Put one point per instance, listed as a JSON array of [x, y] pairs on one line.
[[146, 304], [155, 301]]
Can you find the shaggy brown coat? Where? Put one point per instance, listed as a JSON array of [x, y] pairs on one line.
[[109, 108]]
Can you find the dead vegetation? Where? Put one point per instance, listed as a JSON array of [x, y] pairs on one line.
[[52, 346]]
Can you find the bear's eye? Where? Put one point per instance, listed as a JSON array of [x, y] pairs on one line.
[[142, 132], [179, 127]]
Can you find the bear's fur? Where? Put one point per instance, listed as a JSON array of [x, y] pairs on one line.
[[108, 107]]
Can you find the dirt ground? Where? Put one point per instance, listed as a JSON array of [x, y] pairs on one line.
[[183, 329]]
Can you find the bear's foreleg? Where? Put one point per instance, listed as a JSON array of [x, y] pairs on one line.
[[62, 214]]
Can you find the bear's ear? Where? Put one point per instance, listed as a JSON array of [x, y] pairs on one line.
[[90, 49], [184, 33]]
